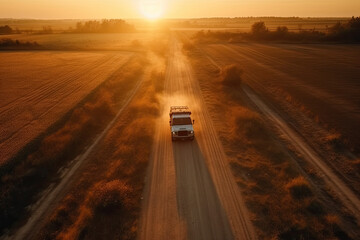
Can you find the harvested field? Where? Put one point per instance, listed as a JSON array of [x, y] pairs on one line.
[[324, 79], [38, 88], [286, 201]]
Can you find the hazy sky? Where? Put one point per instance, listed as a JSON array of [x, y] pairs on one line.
[[175, 8]]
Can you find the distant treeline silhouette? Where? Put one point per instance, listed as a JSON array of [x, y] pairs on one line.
[[340, 32], [5, 29], [7, 43], [104, 26]]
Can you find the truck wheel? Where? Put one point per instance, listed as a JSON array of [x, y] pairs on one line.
[[192, 138], [172, 139]]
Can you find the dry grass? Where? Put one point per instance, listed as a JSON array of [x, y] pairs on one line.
[[28, 177], [42, 87], [188, 45], [299, 188], [281, 200], [335, 148], [159, 46], [104, 198], [107, 204]]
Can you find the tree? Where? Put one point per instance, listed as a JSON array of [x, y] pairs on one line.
[[354, 23], [5, 29], [259, 28]]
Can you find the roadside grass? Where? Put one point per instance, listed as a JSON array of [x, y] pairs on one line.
[[299, 188], [29, 176], [281, 200], [187, 45], [339, 152], [106, 201]]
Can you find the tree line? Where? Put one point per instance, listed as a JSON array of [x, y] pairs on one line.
[[104, 26], [339, 32]]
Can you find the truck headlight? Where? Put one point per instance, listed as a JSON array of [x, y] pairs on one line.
[[191, 132], [173, 133]]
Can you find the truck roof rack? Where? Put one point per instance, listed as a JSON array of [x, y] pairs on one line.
[[179, 110]]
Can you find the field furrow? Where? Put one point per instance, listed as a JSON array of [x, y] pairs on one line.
[[48, 91]]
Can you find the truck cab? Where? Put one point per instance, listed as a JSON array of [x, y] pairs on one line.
[[181, 124]]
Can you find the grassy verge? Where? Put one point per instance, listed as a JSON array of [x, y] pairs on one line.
[[338, 151], [25, 179], [282, 199], [105, 201]]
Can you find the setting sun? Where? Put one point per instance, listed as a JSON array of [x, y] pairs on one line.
[[152, 9]]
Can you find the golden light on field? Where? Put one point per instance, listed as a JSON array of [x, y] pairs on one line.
[[152, 9]]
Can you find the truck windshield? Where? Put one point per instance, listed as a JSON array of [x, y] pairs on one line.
[[181, 121]]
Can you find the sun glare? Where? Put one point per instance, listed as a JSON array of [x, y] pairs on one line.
[[152, 9]]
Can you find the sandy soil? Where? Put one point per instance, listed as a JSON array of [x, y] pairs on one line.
[[324, 78], [37, 88], [190, 192]]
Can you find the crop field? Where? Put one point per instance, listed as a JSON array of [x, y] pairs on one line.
[[86, 150], [323, 78], [37, 88], [312, 88]]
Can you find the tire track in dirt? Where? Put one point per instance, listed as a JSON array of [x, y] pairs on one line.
[[190, 192], [343, 192]]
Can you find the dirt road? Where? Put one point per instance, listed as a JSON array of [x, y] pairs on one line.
[[348, 198], [190, 191]]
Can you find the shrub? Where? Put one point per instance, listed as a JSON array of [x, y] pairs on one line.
[[259, 28], [188, 46], [315, 208], [281, 32], [5, 29], [335, 141], [299, 188], [231, 75], [109, 196], [10, 43], [296, 233]]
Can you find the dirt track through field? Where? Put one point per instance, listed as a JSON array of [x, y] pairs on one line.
[[190, 192], [324, 78], [349, 199], [43, 207], [35, 106], [343, 192]]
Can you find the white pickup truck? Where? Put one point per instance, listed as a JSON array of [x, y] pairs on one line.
[[180, 123]]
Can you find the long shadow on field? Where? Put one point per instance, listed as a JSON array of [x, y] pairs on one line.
[[197, 199]]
